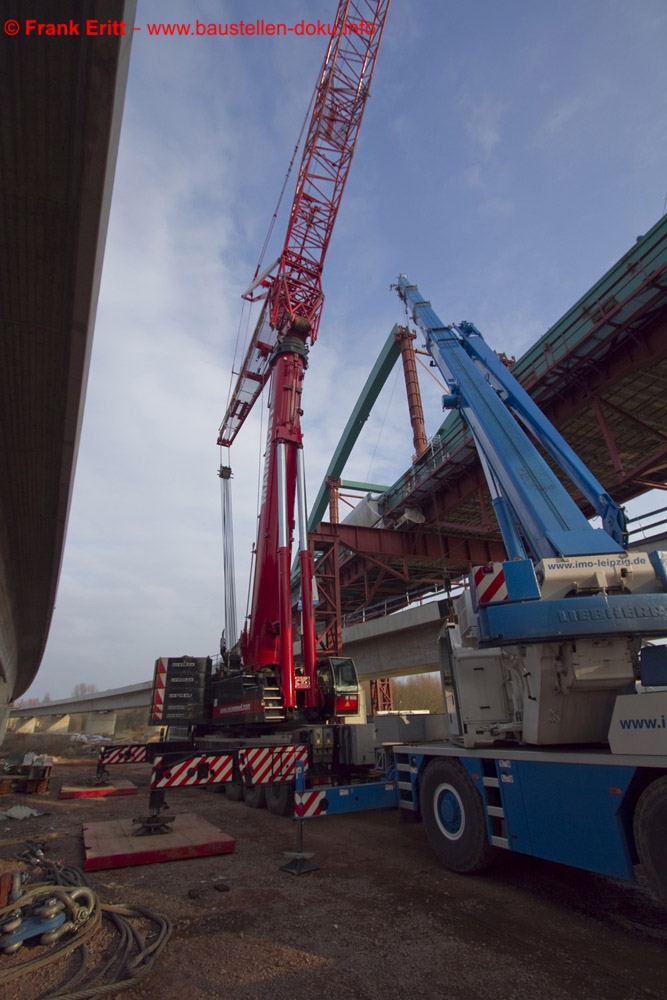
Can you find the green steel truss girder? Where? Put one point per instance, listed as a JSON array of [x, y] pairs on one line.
[[369, 394], [350, 484]]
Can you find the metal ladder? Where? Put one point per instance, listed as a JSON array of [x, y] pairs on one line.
[[272, 703], [494, 805]]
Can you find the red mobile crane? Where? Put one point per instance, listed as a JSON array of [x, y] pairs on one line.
[[291, 291], [253, 721], [257, 718]]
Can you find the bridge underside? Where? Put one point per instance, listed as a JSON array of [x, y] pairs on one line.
[[599, 374], [62, 102]]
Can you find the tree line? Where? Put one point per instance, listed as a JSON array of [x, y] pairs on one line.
[[78, 691]]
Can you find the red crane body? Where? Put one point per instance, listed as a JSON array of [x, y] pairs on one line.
[[278, 350]]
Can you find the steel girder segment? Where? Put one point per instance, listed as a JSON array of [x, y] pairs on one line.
[[375, 563], [374, 383]]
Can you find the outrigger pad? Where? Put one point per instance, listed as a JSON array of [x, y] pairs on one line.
[[114, 844], [119, 786], [148, 826], [300, 863]]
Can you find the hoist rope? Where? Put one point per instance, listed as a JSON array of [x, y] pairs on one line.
[[242, 340], [286, 179], [240, 345], [228, 572], [430, 372], [384, 420]]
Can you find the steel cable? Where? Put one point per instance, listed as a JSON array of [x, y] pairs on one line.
[[122, 969]]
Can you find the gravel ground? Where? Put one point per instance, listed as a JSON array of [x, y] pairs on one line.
[[380, 918]]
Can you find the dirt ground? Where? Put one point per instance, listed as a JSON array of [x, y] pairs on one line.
[[380, 918]]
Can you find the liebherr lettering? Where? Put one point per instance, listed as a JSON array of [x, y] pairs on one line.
[[611, 614]]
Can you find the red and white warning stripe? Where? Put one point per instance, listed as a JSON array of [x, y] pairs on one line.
[[131, 754], [261, 765], [490, 585], [220, 769], [159, 685], [308, 804]]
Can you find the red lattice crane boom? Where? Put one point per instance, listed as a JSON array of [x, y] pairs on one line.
[[292, 287], [290, 316]]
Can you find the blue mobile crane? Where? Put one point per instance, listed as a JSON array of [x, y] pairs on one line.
[[550, 750]]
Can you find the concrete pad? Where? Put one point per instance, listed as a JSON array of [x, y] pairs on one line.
[[112, 844], [117, 787]]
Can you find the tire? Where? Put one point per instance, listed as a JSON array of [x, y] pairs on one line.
[[453, 816], [234, 791], [280, 799], [254, 796], [650, 830]]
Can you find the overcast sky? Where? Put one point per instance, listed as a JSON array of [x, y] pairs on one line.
[[510, 153]]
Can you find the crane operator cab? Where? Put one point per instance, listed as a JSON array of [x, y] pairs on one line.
[[339, 686]]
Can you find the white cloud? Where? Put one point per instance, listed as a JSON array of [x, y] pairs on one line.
[[563, 114], [483, 118]]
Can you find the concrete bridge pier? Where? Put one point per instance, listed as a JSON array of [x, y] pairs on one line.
[[4, 708], [28, 726], [59, 725], [100, 724]]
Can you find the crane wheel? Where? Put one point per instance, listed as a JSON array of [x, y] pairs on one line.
[[254, 796], [280, 799], [650, 830], [453, 815]]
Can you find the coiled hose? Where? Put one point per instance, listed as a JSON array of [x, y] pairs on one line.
[[132, 957]]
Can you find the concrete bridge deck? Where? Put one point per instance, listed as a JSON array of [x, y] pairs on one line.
[[405, 643], [62, 104]]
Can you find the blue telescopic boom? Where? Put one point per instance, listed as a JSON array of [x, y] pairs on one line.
[[530, 501]]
